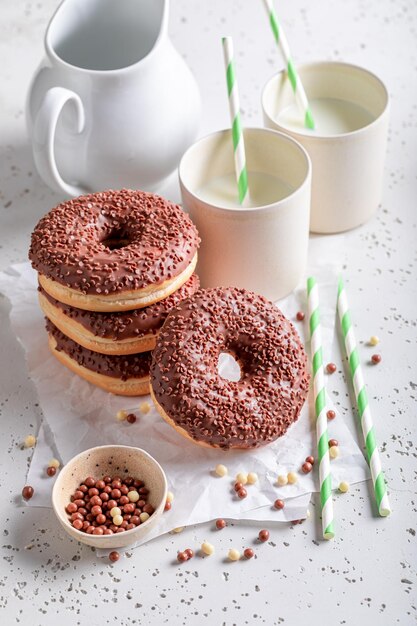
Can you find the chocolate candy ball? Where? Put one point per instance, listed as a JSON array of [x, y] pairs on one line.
[[27, 493], [306, 467], [96, 510]]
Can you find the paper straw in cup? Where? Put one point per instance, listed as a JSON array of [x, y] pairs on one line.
[[281, 40], [237, 132], [320, 409], [362, 402]]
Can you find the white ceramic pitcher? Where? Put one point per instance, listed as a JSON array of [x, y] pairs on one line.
[[113, 104]]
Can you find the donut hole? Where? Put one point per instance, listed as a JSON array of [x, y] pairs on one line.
[[116, 239], [228, 368]]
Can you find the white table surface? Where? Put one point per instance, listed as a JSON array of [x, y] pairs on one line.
[[367, 574]]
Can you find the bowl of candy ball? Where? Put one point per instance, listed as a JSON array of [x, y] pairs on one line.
[[110, 496]]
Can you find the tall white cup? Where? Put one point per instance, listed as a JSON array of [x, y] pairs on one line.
[[263, 249], [347, 167]]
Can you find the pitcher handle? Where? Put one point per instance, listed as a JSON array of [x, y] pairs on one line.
[[44, 136]]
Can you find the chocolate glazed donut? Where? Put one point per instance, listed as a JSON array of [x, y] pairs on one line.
[[123, 332], [114, 250], [126, 375], [191, 395]]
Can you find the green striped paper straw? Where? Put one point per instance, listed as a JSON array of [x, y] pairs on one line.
[[320, 408], [364, 410], [281, 40], [237, 132]]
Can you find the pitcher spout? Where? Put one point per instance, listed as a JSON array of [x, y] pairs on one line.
[[104, 35]]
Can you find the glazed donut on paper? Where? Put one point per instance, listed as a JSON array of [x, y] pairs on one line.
[[114, 250], [126, 332], [121, 375], [210, 410]]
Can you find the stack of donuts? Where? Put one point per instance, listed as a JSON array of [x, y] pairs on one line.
[[111, 266]]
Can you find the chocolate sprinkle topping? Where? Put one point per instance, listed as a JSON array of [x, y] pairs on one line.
[[127, 324], [184, 373], [113, 241], [122, 367]]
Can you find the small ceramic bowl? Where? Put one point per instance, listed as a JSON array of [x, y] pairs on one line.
[[111, 460]]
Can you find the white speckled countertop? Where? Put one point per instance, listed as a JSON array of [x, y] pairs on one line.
[[367, 574]]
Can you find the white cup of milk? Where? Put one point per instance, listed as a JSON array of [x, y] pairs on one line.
[[350, 108], [263, 246]]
